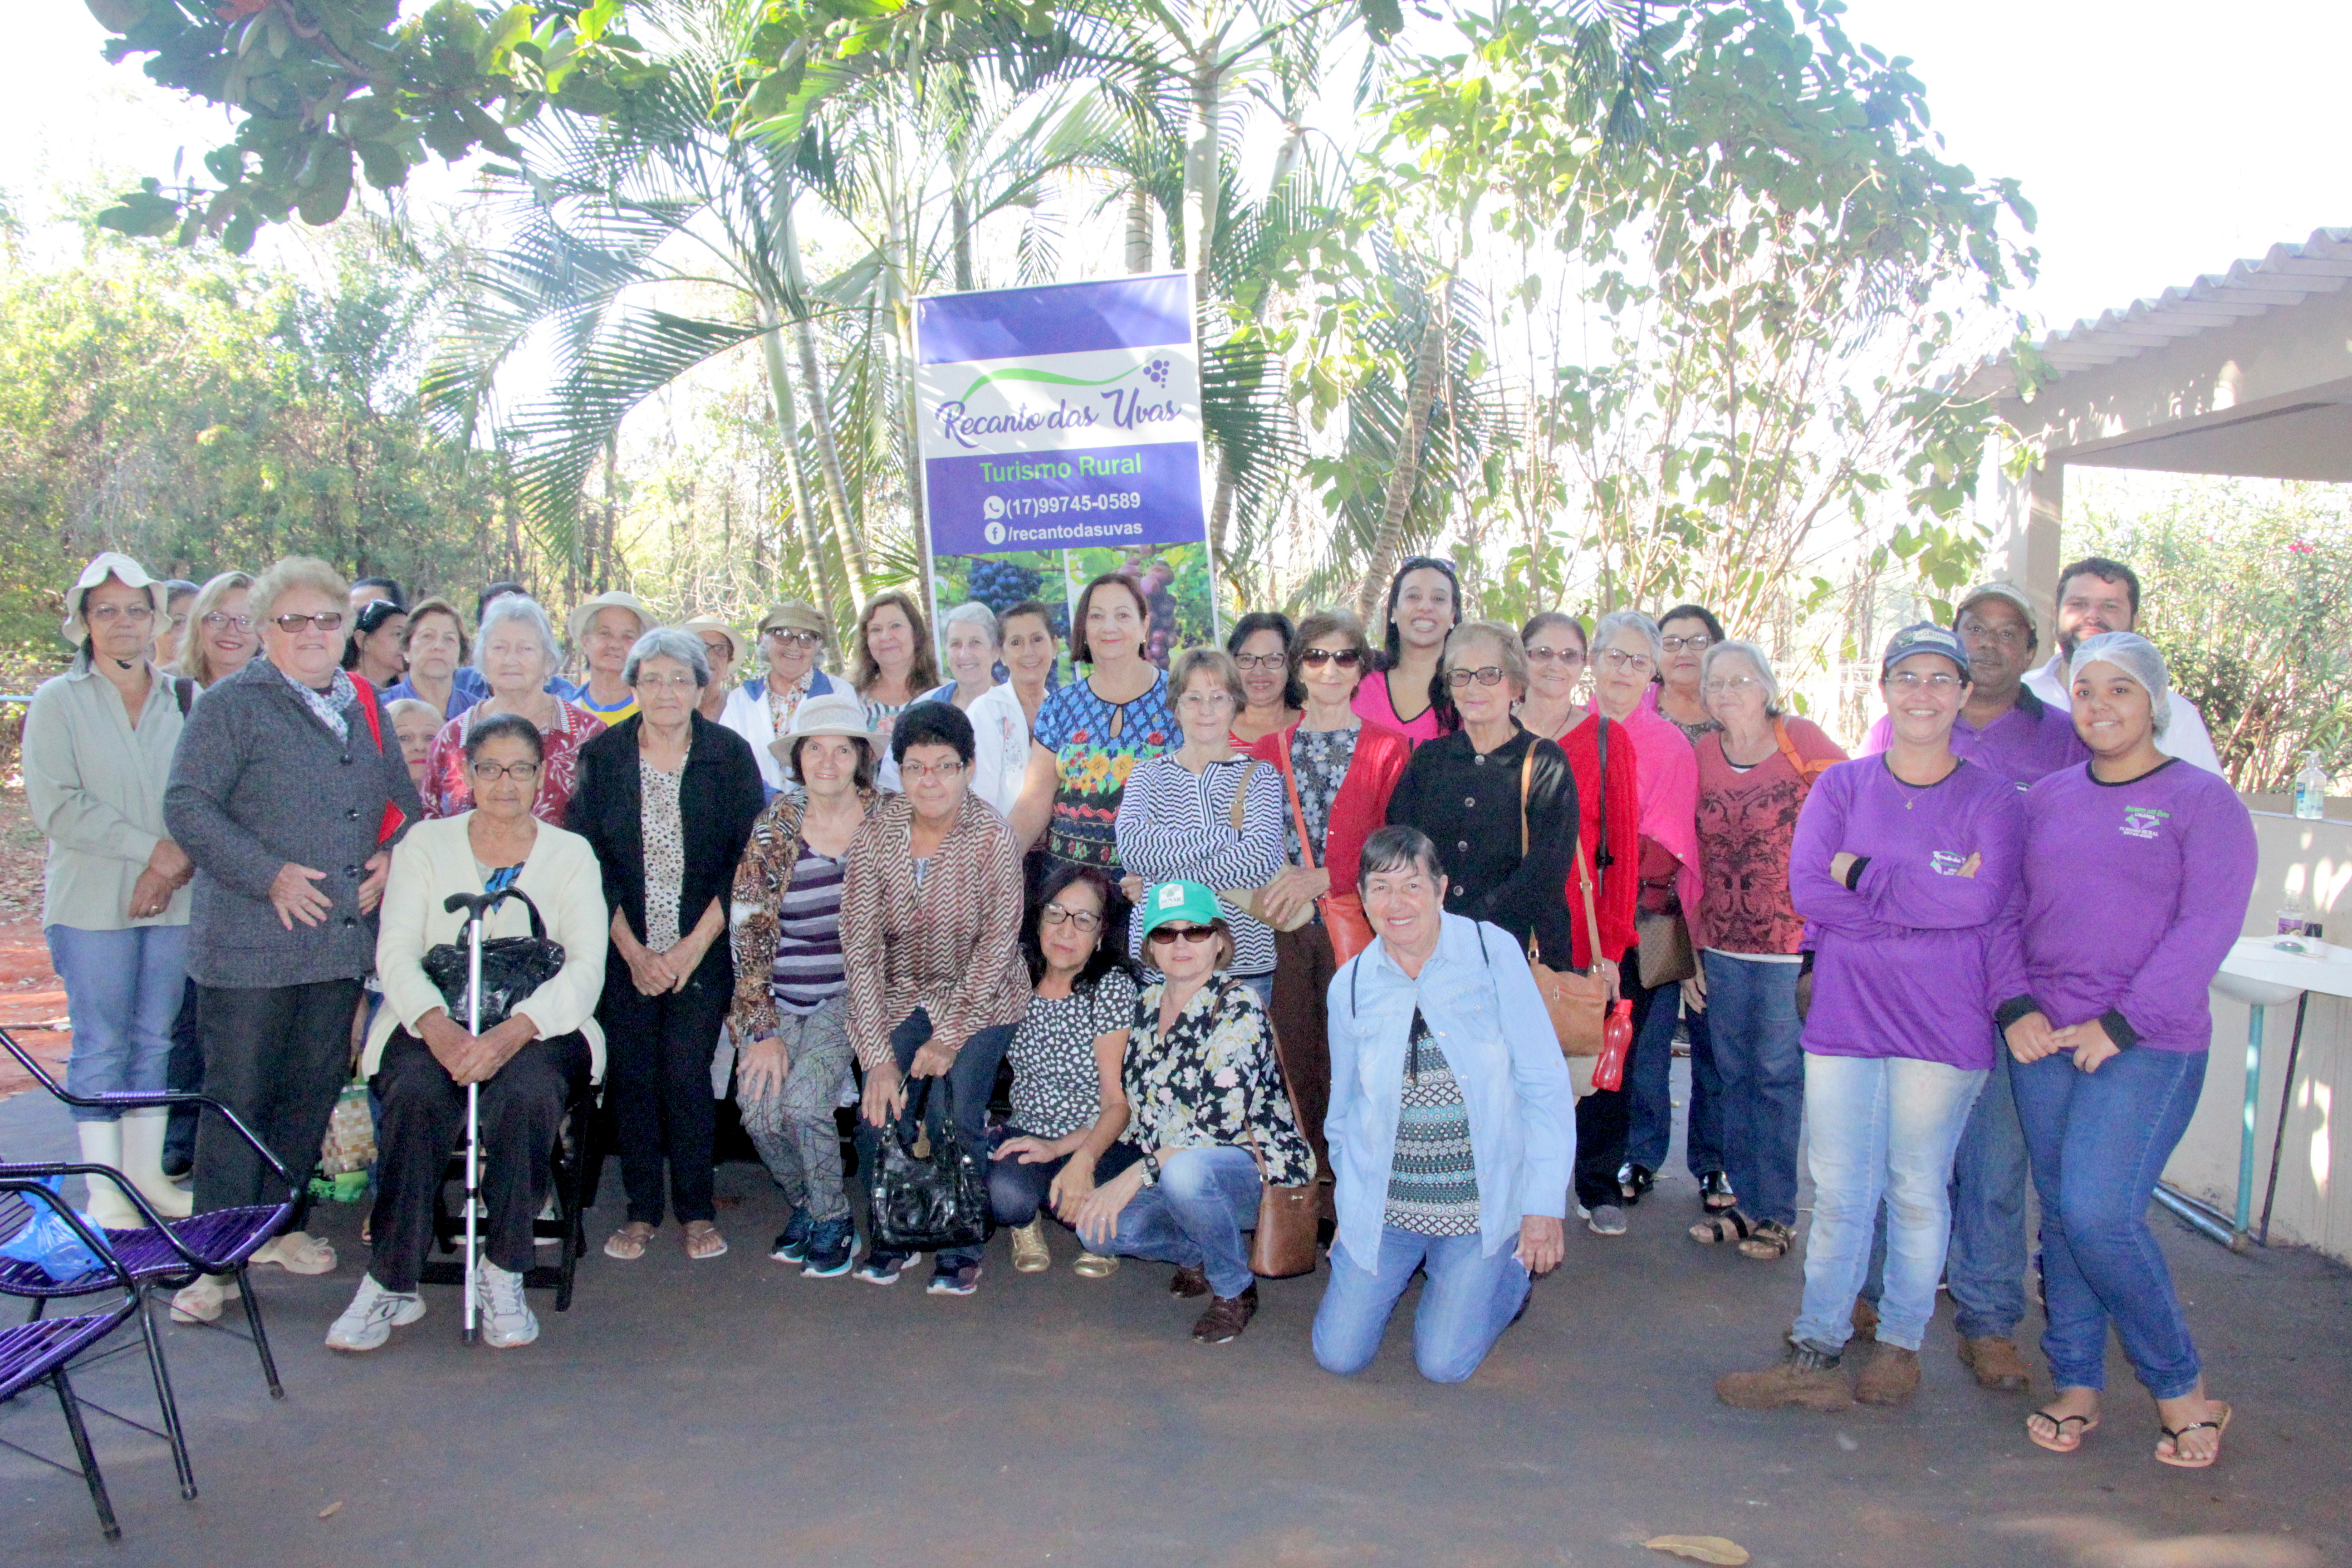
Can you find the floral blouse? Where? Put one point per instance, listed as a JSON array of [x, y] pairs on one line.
[[1319, 762], [1096, 745], [1212, 1081], [450, 793]]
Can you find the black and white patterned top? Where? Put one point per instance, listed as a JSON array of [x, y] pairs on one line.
[[1433, 1176], [1177, 826], [1212, 1081], [1319, 762], [1056, 1089], [806, 972], [665, 835]]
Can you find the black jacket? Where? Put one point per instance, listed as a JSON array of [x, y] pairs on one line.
[[1469, 807], [718, 799]]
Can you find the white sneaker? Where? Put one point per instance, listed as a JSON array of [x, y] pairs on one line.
[[507, 1318], [373, 1313]]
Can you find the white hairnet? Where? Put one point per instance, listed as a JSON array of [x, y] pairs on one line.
[[2135, 656]]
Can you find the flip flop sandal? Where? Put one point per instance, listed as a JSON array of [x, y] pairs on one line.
[[2089, 1424], [1728, 1226], [2173, 1435], [704, 1242], [628, 1243]]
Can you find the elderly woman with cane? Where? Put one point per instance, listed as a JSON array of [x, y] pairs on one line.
[[423, 1060], [1453, 1125]]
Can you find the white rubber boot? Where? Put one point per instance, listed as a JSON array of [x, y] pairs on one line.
[[142, 1161], [101, 1144]]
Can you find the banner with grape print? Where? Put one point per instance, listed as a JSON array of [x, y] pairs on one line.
[[1061, 438]]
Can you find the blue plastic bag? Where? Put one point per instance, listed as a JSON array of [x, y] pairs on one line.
[[48, 1244]]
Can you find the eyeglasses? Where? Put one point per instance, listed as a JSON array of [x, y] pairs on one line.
[[332, 621], [1912, 680], [1261, 660], [1618, 659], [1345, 657], [1085, 921], [1485, 675], [1536, 654], [1163, 935], [216, 621], [1198, 700], [107, 614], [1697, 642], [793, 639], [490, 773], [684, 682], [929, 770], [1726, 688], [721, 649]]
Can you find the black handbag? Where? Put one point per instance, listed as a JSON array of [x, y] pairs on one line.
[[927, 1198], [512, 966]]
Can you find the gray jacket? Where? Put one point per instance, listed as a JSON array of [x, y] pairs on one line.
[[258, 782]]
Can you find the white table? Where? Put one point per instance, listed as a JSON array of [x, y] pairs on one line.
[[2260, 977]]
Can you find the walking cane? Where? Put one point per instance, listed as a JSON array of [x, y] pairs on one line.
[[476, 906]]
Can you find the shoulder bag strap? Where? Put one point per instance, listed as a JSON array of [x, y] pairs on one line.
[[1602, 858], [184, 692], [1806, 774], [1290, 787], [366, 706], [1583, 875]]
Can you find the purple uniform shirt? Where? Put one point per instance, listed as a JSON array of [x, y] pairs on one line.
[[2131, 898], [2024, 746], [1899, 958]]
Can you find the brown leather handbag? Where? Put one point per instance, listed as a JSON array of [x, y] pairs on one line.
[[1577, 1003], [1283, 1245]]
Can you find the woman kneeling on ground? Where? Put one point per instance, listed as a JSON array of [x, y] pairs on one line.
[[1211, 1118], [1068, 1107], [421, 1060], [1453, 1125]]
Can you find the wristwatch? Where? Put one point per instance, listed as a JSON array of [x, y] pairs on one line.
[[1151, 1169]]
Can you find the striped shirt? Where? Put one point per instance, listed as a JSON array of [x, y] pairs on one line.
[[1175, 825], [806, 972], [1433, 1176]]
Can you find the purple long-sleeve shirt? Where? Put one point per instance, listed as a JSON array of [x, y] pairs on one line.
[[2024, 746], [2131, 898], [1899, 958]]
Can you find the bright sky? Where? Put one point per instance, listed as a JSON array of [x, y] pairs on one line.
[[2159, 140]]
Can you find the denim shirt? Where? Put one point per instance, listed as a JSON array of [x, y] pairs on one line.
[[1482, 1006]]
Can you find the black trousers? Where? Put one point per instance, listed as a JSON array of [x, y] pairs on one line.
[[185, 1074], [421, 1121], [1605, 1116], [658, 1052], [277, 1056]]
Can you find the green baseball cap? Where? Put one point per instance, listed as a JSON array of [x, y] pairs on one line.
[[1179, 902]]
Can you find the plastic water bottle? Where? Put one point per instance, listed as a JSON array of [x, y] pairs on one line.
[[2311, 789], [2291, 918]]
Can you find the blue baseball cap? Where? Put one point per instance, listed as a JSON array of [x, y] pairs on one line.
[[1925, 636]]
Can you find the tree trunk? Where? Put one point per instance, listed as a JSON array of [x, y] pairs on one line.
[[1201, 173], [1387, 544], [901, 274], [854, 558], [779, 385], [1139, 230], [962, 220]]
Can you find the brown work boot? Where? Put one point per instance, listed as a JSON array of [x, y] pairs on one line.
[[1227, 1318], [1995, 1361], [1805, 1377], [1891, 1378], [1865, 1321], [1188, 1281]]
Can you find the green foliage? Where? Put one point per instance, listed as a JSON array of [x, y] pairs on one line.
[[328, 92], [199, 413], [2247, 585]]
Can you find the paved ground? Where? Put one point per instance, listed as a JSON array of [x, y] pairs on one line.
[[731, 1413]]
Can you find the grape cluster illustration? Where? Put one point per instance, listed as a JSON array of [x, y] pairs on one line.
[[1158, 372], [1001, 585]]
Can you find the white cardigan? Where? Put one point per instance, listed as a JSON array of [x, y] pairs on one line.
[[437, 858]]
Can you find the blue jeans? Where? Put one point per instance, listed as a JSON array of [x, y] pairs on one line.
[[1650, 1075], [1194, 1214], [1882, 1128], [1017, 1193], [1468, 1301], [1758, 1050], [123, 991], [2099, 1141], [969, 1080]]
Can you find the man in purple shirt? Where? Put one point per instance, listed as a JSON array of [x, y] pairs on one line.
[[2006, 729]]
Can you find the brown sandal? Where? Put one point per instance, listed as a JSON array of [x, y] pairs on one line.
[[628, 1243]]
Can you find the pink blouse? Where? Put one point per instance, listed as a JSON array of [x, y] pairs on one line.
[[1372, 705], [1668, 770], [448, 793]]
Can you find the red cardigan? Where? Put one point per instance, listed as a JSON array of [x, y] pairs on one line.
[[1615, 889], [1362, 804]]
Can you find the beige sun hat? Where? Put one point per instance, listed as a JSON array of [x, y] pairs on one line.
[[122, 569], [735, 639], [828, 713], [577, 625], [794, 615]]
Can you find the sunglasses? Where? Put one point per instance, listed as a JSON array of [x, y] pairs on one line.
[[1163, 935], [1345, 657], [332, 621]]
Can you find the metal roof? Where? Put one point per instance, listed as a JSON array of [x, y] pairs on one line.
[[2287, 274]]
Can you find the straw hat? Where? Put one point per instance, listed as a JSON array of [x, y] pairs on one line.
[[701, 623], [122, 569], [794, 615], [578, 625], [828, 713]]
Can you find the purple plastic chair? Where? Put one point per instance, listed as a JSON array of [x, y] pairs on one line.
[[38, 1351]]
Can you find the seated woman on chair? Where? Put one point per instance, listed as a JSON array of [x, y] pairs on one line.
[[421, 1058]]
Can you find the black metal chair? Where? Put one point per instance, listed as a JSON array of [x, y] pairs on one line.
[[39, 1350], [569, 1161]]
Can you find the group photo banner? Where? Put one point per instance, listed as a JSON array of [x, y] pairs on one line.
[[1060, 439]]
